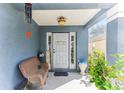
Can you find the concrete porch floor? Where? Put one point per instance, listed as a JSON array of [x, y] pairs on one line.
[[72, 81]]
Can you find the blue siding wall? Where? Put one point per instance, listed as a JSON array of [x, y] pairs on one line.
[[115, 38], [112, 37], [121, 35], [14, 46], [82, 38]]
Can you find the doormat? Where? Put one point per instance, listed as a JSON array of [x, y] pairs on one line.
[[61, 74]]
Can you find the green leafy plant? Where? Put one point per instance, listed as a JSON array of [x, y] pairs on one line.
[[98, 69], [102, 74], [119, 64], [118, 70]]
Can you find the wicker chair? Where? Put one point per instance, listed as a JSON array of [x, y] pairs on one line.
[[34, 71]]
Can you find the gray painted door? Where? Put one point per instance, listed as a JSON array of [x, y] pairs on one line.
[[60, 50]]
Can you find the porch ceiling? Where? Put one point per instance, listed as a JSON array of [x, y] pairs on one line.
[[45, 14], [74, 17]]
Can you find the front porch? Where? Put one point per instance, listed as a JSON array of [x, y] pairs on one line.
[[87, 26], [71, 82], [59, 82]]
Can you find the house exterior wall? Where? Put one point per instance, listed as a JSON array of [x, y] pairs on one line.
[[14, 47], [112, 40], [115, 33], [120, 35], [115, 38], [99, 44], [82, 38]]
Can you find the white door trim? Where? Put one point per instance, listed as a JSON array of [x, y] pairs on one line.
[[72, 65]]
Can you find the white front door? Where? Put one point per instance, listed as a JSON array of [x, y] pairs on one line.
[[60, 50]]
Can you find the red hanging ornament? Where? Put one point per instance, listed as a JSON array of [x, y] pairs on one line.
[[28, 34]]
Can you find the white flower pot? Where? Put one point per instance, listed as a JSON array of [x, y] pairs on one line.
[[82, 68]]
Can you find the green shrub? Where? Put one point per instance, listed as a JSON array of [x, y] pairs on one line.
[[119, 64], [101, 74], [118, 70], [98, 69]]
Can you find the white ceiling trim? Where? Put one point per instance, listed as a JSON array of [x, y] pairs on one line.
[[74, 17]]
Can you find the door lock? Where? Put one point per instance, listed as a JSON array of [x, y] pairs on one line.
[[53, 50]]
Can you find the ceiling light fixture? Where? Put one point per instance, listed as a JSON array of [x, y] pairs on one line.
[[61, 20]]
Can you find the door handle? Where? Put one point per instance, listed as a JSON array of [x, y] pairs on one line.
[[53, 50]]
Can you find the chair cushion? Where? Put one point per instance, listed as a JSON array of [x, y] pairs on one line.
[[29, 66]]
